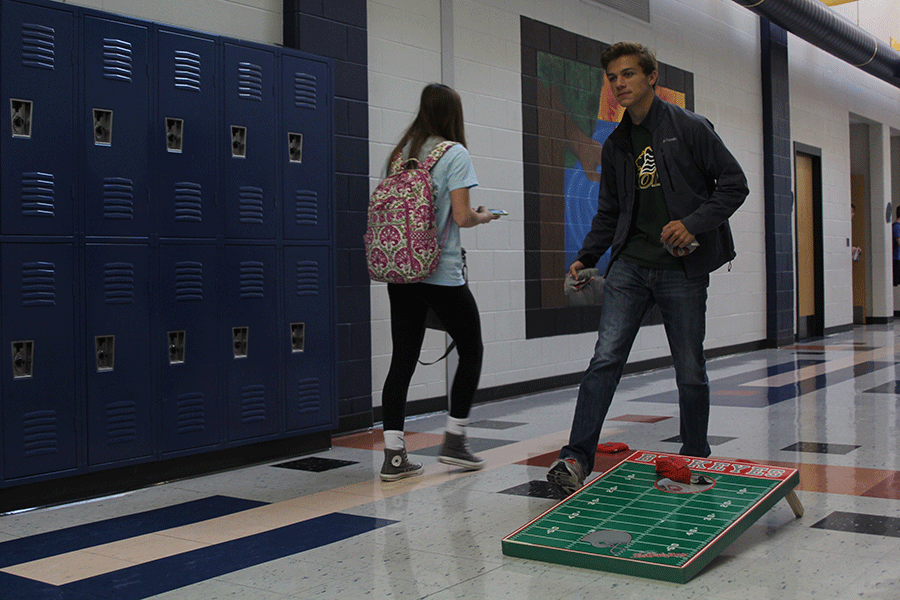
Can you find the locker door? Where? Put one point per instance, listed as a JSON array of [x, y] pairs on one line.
[[305, 148], [249, 156], [39, 401], [186, 343], [38, 143], [249, 341], [117, 322], [309, 340], [185, 129], [114, 123]]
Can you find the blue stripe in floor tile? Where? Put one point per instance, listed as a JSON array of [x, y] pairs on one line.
[[167, 574], [773, 394], [19, 588], [52, 543]]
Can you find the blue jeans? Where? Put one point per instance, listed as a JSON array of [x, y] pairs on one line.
[[630, 292]]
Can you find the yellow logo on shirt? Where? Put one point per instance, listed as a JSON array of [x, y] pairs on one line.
[[646, 166]]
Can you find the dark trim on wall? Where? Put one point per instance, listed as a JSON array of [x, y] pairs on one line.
[[778, 195], [879, 320], [556, 382], [839, 329]]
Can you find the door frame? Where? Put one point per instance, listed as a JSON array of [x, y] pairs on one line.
[[814, 325]]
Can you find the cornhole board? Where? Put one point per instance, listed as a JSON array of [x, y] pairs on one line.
[[629, 521]]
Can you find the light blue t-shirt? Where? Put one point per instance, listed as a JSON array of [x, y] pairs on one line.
[[452, 172]]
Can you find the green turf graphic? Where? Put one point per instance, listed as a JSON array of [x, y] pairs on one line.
[[628, 521]]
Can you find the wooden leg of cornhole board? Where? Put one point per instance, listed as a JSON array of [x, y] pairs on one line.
[[794, 502]]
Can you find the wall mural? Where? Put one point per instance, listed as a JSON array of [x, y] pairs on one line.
[[568, 111]]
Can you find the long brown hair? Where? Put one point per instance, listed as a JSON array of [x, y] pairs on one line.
[[440, 114]]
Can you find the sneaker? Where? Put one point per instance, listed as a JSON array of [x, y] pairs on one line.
[[456, 452], [567, 474], [397, 466]]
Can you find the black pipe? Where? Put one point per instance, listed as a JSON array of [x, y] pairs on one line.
[[822, 27]]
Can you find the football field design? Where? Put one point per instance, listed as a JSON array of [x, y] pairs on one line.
[[630, 521]]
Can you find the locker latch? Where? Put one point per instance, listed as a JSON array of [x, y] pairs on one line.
[[103, 127], [298, 337], [174, 130], [239, 341], [295, 147], [22, 358], [20, 117], [238, 141], [105, 350], [176, 347]]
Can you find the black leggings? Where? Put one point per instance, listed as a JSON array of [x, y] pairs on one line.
[[456, 308]]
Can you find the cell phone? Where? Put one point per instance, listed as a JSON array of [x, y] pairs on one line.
[[498, 211]]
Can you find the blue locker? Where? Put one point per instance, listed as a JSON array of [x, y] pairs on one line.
[[117, 322], [308, 340], [185, 130], [305, 148], [185, 343], [249, 142], [38, 144], [38, 382], [115, 128], [249, 341]]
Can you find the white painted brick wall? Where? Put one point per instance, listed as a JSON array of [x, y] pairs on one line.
[[719, 43], [254, 20]]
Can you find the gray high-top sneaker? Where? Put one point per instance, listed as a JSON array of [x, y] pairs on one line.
[[397, 466], [456, 452]]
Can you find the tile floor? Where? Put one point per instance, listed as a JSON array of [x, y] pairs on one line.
[[324, 526]]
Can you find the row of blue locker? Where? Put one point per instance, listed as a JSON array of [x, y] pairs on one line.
[[123, 128], [117, 353]]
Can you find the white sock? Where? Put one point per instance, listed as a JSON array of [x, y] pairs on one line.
[[393, 439], [456, 426]]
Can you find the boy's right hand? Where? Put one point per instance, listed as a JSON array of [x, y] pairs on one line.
[[576, 266]]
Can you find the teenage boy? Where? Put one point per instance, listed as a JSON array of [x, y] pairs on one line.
[[668, 185]]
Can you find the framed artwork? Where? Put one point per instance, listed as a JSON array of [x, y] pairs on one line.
[[568, 111]]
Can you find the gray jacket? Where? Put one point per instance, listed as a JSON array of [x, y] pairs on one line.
[[702, 183]]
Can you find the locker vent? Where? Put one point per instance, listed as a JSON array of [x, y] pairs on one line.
[[307, 205], [39, 284], [38, 195], [191, 413], [253, 404], [252, 284], [251, 204], [38, 46], [116, 59], [121, 422], [305, 91], [250, 81], [118, 283], [40, 432], [188, 281], [309, 398], [307, 278], [187, 70], [118, 198], [188, 201]]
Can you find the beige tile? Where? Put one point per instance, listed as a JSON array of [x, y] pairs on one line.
[[66, 568]]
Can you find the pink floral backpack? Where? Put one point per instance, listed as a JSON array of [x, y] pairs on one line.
[[401, 236]]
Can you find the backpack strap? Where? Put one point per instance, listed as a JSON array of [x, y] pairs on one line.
[[436, 153], [397, 162]]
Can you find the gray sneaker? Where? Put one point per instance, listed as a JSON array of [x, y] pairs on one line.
[[397, 466], [455, 451], [567, 474]]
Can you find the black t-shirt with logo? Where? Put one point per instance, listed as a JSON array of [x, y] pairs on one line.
[[650, 212]]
